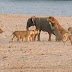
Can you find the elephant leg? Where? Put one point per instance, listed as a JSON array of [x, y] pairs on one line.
[[35, 37], [39, 37], [50, 37]]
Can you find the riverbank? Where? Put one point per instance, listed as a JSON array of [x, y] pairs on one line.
[[35, 56]]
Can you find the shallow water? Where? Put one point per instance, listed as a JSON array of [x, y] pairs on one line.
[[56, 8]]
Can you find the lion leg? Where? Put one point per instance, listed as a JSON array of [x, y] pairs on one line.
[[18, 38], [22, 39], [64, 42], [33, 37], [28, 39], [14, 37]]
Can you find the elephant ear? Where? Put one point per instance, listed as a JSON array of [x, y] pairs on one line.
[[33, 19]]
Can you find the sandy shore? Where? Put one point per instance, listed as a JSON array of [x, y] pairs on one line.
[[35, 56]]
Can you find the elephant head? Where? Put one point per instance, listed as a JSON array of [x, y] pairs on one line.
[[33, 19], [30, 22]]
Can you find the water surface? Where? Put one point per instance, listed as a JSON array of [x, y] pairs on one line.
[[56, 8]]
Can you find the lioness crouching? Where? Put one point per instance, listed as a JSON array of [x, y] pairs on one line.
[[29, 35]]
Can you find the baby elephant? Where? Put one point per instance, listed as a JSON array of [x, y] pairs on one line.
[[29, 35]]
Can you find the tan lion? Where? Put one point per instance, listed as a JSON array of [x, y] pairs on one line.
[[29, 35], [24, 35], [19, 35], [67, 37], [61, 30]]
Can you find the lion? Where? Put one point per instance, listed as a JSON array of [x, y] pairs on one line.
[[53, 20], [29, 35], [19, 35], [24, 35], [70, 30], [66, 38], [56, 32], [61, 30]]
